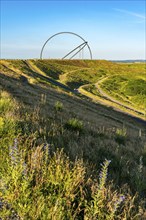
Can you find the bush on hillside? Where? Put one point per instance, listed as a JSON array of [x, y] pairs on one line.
[[74, 124]]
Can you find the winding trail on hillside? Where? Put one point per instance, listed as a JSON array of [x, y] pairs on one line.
[[42, 75], [112, 116], [84, 93], [105, 95], [63, 77]]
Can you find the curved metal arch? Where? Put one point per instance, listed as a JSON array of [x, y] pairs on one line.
[[65, 33]]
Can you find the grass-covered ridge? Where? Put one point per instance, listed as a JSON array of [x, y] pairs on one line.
[[63, 157], [124, 82], [117, 79], [128, 89]]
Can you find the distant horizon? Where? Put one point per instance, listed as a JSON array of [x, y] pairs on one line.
[[115, 30]]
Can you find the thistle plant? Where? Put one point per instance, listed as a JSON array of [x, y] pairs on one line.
[[138, 176], [103, 174], [104, 202], [97, 208], [13, 153]]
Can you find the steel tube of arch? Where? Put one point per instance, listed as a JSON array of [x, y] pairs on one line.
[[79, 50], [74, 50], [65, 33]]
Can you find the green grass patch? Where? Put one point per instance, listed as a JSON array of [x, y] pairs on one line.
[[74, 124]]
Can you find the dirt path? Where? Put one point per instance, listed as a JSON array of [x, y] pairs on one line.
[[97, 113], [107, 101], [42, 75], [63, 77], [105, 95]]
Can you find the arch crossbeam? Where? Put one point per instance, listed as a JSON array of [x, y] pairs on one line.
[[85, 43]]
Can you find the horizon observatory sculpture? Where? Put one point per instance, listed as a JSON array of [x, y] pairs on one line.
[[73, 52]]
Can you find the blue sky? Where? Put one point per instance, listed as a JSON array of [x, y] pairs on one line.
[[113, 29]]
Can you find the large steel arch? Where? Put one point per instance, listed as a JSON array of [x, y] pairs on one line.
[[66, 32]]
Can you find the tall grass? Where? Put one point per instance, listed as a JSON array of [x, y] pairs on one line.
[[38, 185], [40, 180]]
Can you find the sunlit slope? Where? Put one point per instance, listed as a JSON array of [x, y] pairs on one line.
[[124, 84], [40, 114], [128, 85], [121, 86]]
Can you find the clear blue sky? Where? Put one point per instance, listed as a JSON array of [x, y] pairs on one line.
[[113, 29]]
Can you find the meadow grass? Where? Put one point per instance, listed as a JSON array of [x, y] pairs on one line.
[[38, 185], [127, 85], [62, 157], [128, 89], [40, 180]]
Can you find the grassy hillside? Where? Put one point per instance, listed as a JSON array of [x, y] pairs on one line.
[[124, 84], [129, 86], [53, 143]]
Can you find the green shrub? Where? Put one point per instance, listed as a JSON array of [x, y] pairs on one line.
[[58, 106], [120, 137], [7, 127], [74, 124], [5, 103]]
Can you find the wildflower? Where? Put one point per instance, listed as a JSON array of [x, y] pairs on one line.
[[13, 152], [16, 158], [140, 167], [24, 169], [118, 202], [103, 173]]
